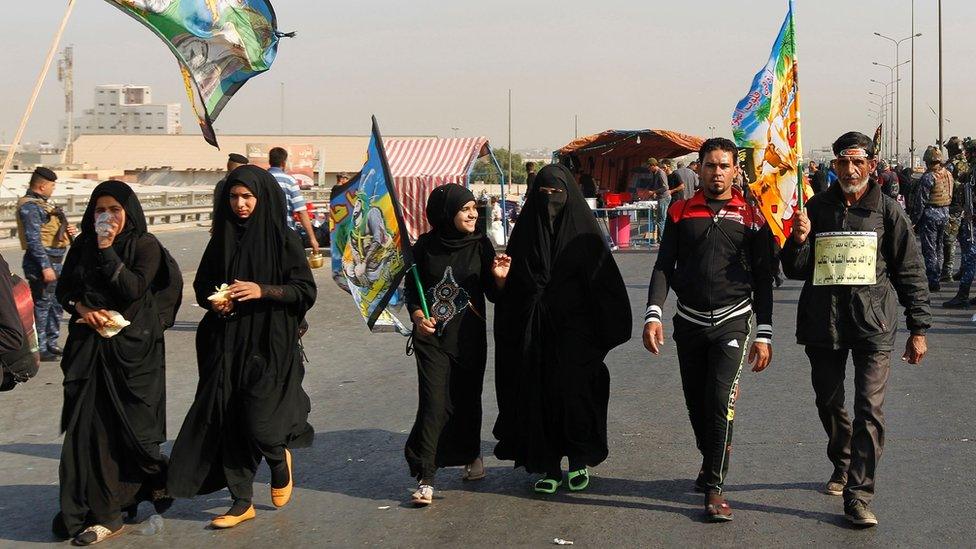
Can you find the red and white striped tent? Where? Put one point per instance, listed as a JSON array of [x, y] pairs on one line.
[[420, 165]]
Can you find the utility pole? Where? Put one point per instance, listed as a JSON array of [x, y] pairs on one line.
[[911, 146], [941, 116], [576, 126], [66, 76]]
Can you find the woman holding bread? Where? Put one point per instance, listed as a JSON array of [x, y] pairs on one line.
[[114, 284], [249, 402]]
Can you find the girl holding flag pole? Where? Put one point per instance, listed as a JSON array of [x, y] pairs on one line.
[[456, 270]]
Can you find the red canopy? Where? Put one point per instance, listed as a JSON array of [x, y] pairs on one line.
[[610, 156], [419, 165]]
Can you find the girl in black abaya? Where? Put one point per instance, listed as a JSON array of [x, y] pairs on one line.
[[249, 402], [564, 307], [458, 269], [114, 415]]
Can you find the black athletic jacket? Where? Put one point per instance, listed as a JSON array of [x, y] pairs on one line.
[[719, 265]]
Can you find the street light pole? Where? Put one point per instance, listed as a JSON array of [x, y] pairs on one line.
[[911, 145], [897, 79], [889, 93], [883, 115], [941, 116]]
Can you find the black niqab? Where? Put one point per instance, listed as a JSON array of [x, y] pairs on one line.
[[563, 309]]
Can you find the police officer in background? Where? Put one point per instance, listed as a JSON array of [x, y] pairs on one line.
[[855, 316], [929, 211], [964, 196], [44, 236], [959, 169]]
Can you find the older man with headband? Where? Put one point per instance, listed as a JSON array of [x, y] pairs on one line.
[[854, 249]]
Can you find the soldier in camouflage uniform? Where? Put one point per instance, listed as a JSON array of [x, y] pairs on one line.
[[967, 245], [929, 211], [959, 169]]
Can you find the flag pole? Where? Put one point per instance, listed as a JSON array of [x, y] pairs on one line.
[[420, 291], [37, 90]]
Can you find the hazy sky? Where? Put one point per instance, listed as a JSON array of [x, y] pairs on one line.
[[425, 66]]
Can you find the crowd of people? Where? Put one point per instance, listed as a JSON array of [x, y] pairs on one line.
[[560, 307]]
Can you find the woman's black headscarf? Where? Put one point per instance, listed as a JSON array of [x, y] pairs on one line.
[[124, 243], [443, 204], [135, 218], [249, 249]]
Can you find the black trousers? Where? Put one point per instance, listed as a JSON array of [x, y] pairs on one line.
[[854, 449], [710, 359]]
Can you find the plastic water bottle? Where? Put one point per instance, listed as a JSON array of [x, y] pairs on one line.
[[102, 226], [152, 526]]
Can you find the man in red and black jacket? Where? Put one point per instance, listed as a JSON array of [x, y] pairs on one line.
[[717, 255]]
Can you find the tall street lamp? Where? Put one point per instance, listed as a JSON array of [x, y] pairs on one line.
[[888, 98], [897, 78], [883, 119], [892, 72]]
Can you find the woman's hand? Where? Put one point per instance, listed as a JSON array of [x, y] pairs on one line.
[[96, 318], [223, 307], [244, 291], [425, 326], [499, 268], [113, 230]]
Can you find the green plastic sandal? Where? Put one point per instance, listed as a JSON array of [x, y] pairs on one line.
[[547, 485], [575, 485]]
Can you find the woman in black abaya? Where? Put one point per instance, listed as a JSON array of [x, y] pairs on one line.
[[564, 307], [114, 415], [458, 270], [249, 402]]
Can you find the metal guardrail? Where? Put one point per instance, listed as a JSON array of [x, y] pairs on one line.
[[166, 207]]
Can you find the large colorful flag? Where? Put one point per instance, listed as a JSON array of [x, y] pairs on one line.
[[767, 120], [220, 45], [370, 249], [877, 142]]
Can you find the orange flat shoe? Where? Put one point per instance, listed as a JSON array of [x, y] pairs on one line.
[[280, 496], [230, 521]]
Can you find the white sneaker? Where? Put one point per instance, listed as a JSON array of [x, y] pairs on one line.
[[423, 496]]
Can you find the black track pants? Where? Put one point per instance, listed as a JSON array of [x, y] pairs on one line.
[[711, 358]]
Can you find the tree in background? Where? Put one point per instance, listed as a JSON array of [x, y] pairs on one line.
[[485, 172]]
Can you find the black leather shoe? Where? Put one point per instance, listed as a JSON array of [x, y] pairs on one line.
[[50, 357], [958, 302], [55, 350]]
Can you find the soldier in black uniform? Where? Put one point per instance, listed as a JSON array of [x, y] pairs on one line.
[[929, 211], [44, 234], [959, 169]]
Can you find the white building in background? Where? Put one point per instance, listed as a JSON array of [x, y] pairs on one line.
[[124, 109]]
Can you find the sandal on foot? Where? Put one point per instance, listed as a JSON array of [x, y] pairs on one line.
[[474, 470], [578, 480], [423, 496], [95, 534], [547, 485], [718, 508]]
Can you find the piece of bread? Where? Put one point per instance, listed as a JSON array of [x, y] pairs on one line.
[[222, 295]]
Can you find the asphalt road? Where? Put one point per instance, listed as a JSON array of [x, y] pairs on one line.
[[352, 484]]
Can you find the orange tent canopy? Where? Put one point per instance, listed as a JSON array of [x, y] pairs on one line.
[[609, 156]]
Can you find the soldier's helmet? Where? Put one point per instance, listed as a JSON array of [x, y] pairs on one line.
[[953, 145], [932, 154], [969, 144]]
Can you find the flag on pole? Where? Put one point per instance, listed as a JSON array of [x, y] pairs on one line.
[[767, 120], [370, 249], [220, 45], [877, 142]]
